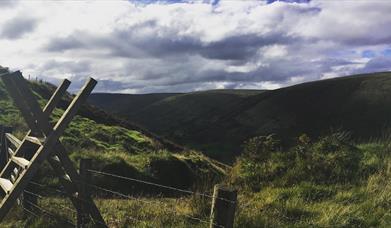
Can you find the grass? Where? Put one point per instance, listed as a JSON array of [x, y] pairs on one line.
[[364, 202], [143, 212], [302, 205]]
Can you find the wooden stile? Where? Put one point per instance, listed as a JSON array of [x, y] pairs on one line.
[[43, 138]]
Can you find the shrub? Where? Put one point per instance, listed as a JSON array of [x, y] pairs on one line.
[[261, 147], [330, 159], [261, 161]]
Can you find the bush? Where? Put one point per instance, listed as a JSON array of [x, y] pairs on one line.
[[330, 159], [261, 162], [260, 148]]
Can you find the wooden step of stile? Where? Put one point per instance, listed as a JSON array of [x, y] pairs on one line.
[[6, 185], [34, 140], [22, 162]]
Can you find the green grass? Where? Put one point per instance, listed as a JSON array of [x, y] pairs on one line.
[[308, 205], [361, 202], [302, 205], [143, 212]]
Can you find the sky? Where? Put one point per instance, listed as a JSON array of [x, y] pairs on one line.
[[149, 46]]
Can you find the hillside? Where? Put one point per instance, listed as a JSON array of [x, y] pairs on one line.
[[115, 146], [219, 121], [123, 103]]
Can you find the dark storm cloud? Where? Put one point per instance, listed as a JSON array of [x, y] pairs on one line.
[[130, 44], [242, 47], [64, 44], [17, 27]]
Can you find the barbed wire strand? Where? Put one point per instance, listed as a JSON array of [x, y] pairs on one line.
[[58, 190], [58, 204], [51, 187], [30, 212], [50, 213], [134, 198], [148, 202], [159, 185]]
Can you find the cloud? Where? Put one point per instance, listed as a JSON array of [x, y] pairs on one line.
[[64, 44], [166, 46], [8, 3], [381, 63], [17, 27]]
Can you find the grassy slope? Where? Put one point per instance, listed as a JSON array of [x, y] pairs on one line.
[[115, 148], [219, 123], [360, 203], [187, 117]]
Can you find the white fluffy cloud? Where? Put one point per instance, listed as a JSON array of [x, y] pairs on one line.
[[167, 47]]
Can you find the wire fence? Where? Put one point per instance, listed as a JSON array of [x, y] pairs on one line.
[[120, 195], [148, 202], [160, 185], [50, 214]]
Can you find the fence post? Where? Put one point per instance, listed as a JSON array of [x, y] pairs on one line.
[[82, 215], [223, 207]]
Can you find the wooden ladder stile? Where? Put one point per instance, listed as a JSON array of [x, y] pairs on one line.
[[44, 138]]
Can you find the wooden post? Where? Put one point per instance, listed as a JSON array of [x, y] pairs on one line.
[[4, 146], [83, 218], [223, 207], [3, 149]]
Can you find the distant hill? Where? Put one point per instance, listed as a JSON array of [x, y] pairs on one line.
[[45, 90], [219, 121], [116, 146], [122, 103]]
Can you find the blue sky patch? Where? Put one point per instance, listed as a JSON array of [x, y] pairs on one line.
[[386, 52], [368, 54]]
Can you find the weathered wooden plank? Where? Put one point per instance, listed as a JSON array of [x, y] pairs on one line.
[[13, 140], [11, 165], [35, 140], [56, 97], [19, 102], [25, 94], [71, 111], [6, 185], [22, 162], [11, 152]]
